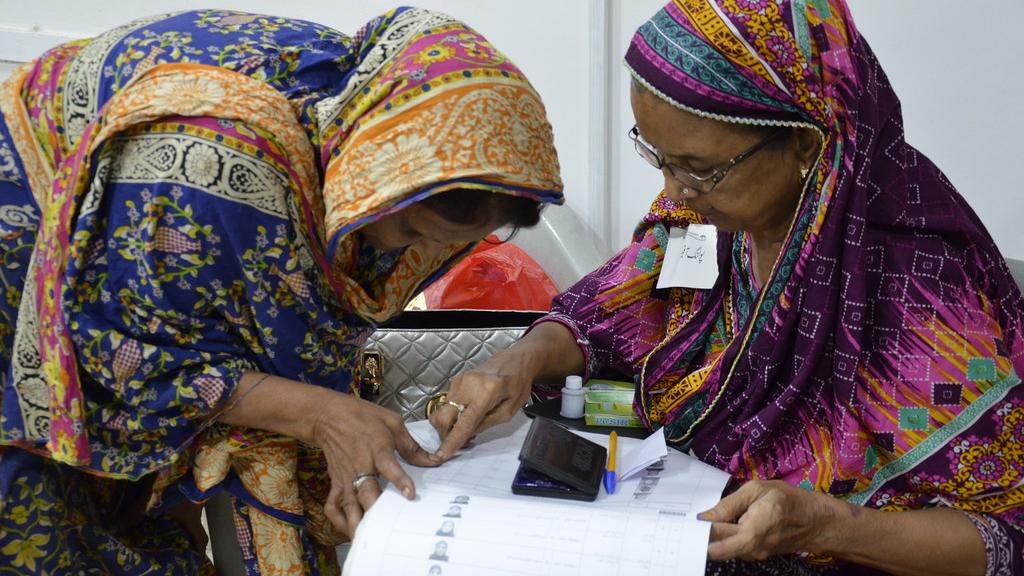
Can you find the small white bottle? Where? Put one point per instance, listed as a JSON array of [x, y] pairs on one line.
[[572, 397]]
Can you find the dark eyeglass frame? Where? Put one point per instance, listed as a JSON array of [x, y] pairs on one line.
[[689, 179]]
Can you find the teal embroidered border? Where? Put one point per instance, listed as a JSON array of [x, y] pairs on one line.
[[937, 440]]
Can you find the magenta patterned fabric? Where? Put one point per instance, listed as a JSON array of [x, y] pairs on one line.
[[879, 362]]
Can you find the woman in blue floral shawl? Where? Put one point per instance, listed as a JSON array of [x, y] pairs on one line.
[[203, 215]]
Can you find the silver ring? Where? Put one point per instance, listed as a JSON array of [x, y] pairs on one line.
[[360, 478], [459, 407]]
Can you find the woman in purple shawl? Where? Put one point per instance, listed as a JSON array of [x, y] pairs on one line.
[[855, 365]]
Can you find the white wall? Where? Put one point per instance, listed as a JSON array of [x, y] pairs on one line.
[[634, 182], [958, 83]]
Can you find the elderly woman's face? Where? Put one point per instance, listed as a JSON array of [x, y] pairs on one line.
[[759, 194]]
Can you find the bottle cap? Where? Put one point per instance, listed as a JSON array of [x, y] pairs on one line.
[[573, 382]]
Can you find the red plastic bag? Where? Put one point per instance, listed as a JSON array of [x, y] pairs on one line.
[[493, 277]]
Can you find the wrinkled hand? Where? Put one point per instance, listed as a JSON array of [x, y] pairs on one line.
[[765, 518], [492, 393], [358, 437]]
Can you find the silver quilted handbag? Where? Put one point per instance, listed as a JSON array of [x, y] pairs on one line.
[[414, 357]]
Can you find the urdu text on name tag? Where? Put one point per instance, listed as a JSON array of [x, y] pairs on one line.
[[691, 258]]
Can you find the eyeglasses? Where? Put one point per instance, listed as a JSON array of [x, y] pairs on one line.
[[702, 184]]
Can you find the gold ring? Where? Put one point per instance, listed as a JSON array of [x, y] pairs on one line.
[[361, 478], [441, 399], [459, 407], [435, 401]]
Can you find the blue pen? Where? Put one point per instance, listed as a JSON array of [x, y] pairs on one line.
[[609, 471]]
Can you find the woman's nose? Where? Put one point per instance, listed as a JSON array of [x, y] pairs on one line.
[[673, 188]]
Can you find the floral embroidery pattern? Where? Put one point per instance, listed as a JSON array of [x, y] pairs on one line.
[[183, 243], [57, 522]]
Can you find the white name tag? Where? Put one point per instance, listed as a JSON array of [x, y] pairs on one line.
[[691, 258]]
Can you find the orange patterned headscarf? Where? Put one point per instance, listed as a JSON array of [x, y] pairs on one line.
[[431, 107]]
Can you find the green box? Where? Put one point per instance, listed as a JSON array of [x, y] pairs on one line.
[[609, 392], [608, 408], [611, 401], [617, 420], [601, 384], [608, 396]]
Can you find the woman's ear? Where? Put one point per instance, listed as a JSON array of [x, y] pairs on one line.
[[808, 145]]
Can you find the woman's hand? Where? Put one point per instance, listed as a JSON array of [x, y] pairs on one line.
[[765, 518], [492, 393], [360, 438]]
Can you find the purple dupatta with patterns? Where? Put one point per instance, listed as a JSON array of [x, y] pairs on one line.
[[879, 362]]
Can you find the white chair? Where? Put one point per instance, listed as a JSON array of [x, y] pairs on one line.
[[563, 245]]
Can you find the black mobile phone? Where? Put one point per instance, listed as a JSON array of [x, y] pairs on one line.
[[552, 451]]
